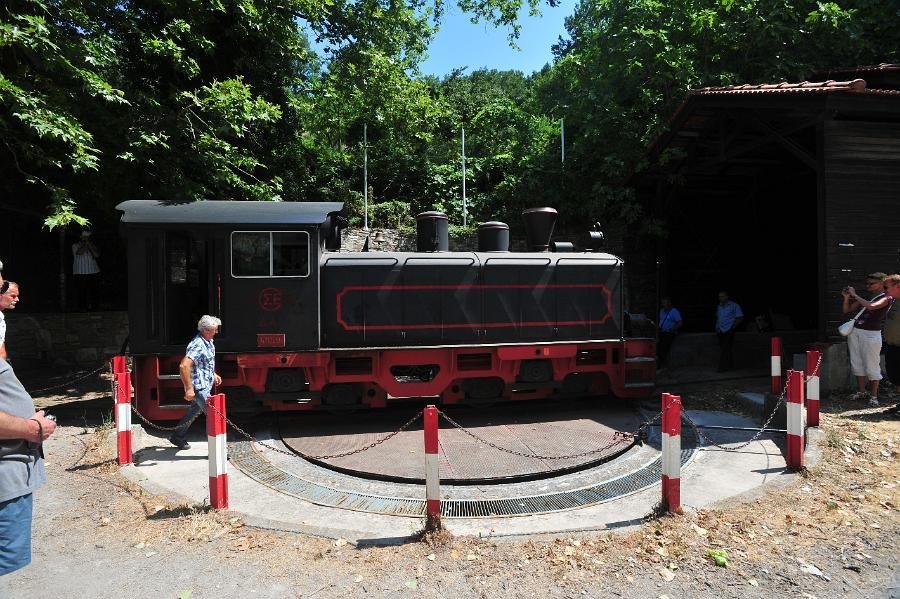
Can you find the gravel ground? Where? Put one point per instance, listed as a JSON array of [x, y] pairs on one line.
[[831, 533]]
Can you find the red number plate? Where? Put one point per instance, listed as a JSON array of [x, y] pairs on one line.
[[270, 340]]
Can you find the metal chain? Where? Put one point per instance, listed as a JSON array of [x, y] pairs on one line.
[[141, 416], [619, 437], [67, 383], [643, 427], [705, 438], [157, 426], [815, 371], [295, 453]]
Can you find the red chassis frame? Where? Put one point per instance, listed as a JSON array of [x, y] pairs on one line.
[[627, 368]]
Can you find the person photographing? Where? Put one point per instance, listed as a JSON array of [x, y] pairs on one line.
[[864, 340], [85, 271]]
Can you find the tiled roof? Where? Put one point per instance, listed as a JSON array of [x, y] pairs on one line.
[[885, 66], [853, 86], [856, 85]]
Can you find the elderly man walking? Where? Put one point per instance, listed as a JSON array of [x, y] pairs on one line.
[[198, 375]]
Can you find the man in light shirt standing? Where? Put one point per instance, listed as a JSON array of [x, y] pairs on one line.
[[85, 271]]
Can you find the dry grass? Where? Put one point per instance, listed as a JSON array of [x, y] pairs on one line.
[[843, 506]]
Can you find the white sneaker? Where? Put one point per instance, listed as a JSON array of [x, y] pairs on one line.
[[873, 401]]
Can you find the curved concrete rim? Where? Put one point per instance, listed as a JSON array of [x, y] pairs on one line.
[[713, 475]]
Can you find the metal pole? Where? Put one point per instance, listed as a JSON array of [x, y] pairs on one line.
[[365, 177], [432, 470], [795, 419], [464, 174], [62, 269], [671, 452], [217, 444], [776, 365], [562, 139]]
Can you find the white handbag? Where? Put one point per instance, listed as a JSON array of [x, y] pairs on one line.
[[845, 328]]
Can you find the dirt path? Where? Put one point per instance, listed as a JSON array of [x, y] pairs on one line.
[[832, 533]]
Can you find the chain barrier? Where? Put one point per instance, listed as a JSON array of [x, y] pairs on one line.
[[705, 438], [295, 453], [69, 382], [144, 418], [815, 371], [642, 429], [619, 437]]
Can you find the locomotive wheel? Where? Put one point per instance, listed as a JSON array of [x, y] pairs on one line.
[[577, 383], [285, 380], [341, 397], [535, 371], [484, 391]]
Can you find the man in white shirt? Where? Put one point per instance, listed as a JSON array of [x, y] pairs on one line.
[[85, 271], [9, 297]]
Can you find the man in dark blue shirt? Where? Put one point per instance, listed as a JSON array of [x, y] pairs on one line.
[[669, 323], [728, 316]]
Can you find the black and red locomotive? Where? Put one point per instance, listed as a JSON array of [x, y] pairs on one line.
[[307, 326]]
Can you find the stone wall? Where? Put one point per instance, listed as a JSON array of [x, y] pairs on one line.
[[352, 240], [75, 338]]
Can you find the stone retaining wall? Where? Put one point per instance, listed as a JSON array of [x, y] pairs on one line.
[[80, 338]]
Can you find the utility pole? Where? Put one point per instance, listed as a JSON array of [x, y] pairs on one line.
[[365, 177], [464, 174], [562, 140]]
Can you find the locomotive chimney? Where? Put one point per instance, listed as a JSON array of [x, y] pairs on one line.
[[493, 236], [431, 232], [539, 223]]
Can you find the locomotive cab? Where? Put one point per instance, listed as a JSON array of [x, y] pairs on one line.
[[253, 264]]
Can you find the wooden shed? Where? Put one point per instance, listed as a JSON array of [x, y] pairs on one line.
[[781, 194]]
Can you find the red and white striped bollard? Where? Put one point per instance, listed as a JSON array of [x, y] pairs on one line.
[[671, 452], [776, 366], [218, 451], [123, 417], [119, 364], [795, 419], [813, 360], [432, 471]]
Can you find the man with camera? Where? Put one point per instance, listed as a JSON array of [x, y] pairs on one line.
[[85, 271], [22, 431]]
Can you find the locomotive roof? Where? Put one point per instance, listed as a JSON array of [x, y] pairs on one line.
[[226, 212]]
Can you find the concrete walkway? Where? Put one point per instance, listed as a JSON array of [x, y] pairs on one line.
[[711, 475]]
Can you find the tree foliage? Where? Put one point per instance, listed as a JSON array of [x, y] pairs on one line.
[[104, 100]]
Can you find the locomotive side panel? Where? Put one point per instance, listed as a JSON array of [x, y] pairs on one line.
[[589, 304], [519, 299], [271, 290], [441, 300], [403, 300], [395, 300], [356, 300]]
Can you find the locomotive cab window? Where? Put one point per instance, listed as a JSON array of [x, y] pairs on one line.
[[270, 254]]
